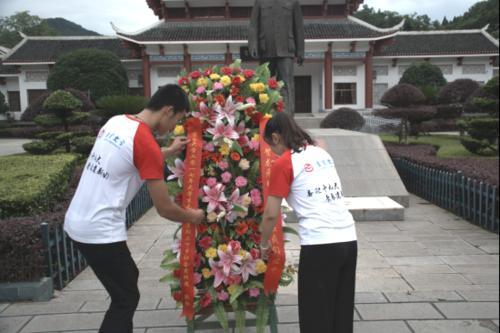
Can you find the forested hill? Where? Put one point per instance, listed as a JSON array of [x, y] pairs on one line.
[[63, 27], [478, 16]]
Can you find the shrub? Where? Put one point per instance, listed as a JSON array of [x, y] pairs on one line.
[[110, 106], [491, 87], [403, 95], [482, 128], [83, 145], [3, 106], [477, 147], [449, 111], [457, 91], [40, 147], [423, 74], [411, 119], [344, 118], [62, 103], [97, 71], [430, 93], [32, 184], [36, 107]]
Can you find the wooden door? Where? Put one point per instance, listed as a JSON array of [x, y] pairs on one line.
[[303, 94]]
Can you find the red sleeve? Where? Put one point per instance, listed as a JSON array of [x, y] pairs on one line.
[[148, 158], [281, 176]]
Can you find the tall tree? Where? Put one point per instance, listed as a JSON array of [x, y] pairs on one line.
[[478, 16], [31, 25]]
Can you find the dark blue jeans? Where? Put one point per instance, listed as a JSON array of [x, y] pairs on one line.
[[327, 278]]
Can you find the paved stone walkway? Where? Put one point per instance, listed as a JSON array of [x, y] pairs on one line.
[[432, 273], [12, 146]]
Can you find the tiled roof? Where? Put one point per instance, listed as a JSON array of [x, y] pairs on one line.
[[226, 30], [50, 49], [440, 43]]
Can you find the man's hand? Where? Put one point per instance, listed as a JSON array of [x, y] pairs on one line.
[[198, 216], [300, 60], [176, 147], [254, 53], [265, 250]]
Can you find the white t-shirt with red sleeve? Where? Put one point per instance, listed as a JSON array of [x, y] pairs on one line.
[[310, 183], [124, 155]]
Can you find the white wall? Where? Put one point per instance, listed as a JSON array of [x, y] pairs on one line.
[[315, 71]]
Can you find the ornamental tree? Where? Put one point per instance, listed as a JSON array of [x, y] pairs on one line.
[[405, 102], [96, 71]]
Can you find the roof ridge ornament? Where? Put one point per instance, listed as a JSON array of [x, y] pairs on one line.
[[375, 28]]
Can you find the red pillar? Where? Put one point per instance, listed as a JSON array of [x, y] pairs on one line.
[[187, 59], [228, 57], [328, 78], [146, 74], [369, 78]]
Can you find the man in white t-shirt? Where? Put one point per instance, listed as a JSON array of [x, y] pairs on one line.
[[124, 157]]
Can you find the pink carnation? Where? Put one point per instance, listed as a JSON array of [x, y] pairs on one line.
[[254, 292], [226, 177], [218, 86], [222, 296], [209, 147], [241, 181], [256, 197], [251, 100], [211, 181], [200, 90], [223, 165]]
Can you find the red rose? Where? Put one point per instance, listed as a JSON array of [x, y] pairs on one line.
[[226, 70], [246, 150], [214, 227], [236, 80], [235, 246], [235, 91], [205, 242], [202, 228], [255, 254], [248, 73], [208, 72], [195, 75], [240, 99], [205, 300], [280, 105], [273, 84], [242, 228], [255, 237], [177, 296], [235, 156], [220, 99], [183, 81], [256, 117]]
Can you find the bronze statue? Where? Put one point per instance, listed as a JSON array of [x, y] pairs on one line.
[[276, 35]]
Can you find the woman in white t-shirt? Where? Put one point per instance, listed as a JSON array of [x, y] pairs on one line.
[[306, 177]]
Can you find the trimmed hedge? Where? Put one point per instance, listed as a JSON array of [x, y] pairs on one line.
[[21, 249], [32, 184], [83, 145], [344, 118]]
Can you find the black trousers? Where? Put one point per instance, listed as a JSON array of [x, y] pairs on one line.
[[327, 277], [114, 267]]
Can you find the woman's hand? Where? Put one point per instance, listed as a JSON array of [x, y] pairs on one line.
[[265, 250]]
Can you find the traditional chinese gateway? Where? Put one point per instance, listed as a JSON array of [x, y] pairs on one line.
[[348, 61]]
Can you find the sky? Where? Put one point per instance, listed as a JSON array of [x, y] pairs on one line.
[[133, 15]]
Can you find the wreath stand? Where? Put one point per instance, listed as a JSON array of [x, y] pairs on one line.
[[199, 324]]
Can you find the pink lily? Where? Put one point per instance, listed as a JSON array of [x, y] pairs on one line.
[[235, 200], [229, 261], [228, 111], [217, 272], [223, 131], [177, 170], [214, 196], [247, 267]]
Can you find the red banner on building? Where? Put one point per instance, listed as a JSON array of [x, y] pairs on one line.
[[192, 173], [276, 260]]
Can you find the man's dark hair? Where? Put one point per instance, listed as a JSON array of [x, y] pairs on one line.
[[169, 95], [294, 137]]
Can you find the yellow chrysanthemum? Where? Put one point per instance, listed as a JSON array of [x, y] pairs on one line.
[[256, 137], [206, 273], [211, 253], [260, 266], [225, 80], [212, 217], [242, 78], [222, 247], [225, 149], [264, 98], [258, 87], [202, 82], [215, 77], [268, 116], [232, 289], [242, 253], [179, 130]]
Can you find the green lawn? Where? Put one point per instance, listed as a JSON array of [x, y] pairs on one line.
[[449, 145]]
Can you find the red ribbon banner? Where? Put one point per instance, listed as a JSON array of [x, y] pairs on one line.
[[276, 260], [192, 173]]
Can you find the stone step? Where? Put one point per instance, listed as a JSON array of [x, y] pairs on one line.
[[367, 209]]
